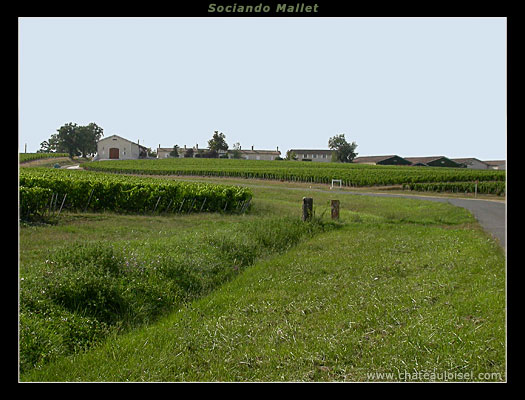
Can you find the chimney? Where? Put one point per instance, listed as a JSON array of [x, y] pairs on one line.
[[184, 147], [277, 148], [252, 148], [197, 146]]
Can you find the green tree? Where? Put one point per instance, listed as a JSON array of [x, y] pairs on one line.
[[88, 136], [236, 153], [151, 153], [344, 151], [74, 139], [68, 139], [175, 151], [290, 155], [51, 145], [218, 142], [46, 147]]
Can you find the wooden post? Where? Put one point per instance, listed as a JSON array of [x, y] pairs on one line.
[[55, 204], [245, 206], [308, 205], [202, 205], [91, 194], [62, 205], [335, 208], [192, 204], [169, 204], [156, 204], [183, 200], [51, 203]]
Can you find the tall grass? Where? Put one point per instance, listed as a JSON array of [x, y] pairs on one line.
[[348, 305], [84, 291]]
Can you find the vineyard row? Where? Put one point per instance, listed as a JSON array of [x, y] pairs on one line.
[[42, 190], [350, 175]]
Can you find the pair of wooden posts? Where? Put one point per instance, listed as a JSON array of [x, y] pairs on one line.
[[308, 207]]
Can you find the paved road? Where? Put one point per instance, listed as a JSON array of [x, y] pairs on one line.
[[490, 214]]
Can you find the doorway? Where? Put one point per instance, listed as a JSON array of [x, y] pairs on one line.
[[113, 153]]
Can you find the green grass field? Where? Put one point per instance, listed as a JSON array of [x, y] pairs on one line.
[[397, 289]]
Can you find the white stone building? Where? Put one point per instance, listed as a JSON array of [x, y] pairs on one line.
[[315, 155], [115, 147], [268, 155], [253, 154]]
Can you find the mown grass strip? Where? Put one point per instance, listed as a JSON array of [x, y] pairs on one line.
[[343, 306]]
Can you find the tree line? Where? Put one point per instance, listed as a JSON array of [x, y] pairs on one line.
[[78, 140]]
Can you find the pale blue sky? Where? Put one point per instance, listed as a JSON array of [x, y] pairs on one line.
[[406, 86]]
